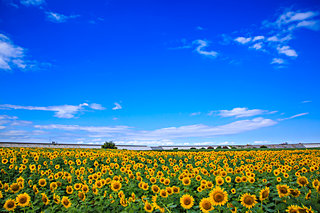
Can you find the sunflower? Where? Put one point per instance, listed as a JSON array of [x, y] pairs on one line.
[[264, 193], [295, 192], [233, 190], [42, 182], [219, 181], [65, 202], [163, 193], [15, 187], [81, 195], [10, 205], [155, 189], [302, 181], [23, 199], [56, 198], [45, 199], [283, 190], [248, 200], [186, 181], [218, 196], [186, 201], [148, 207], [293, 209], [176, 190], [85, 188], [206, 205], [308, 195], [315, 183], [69, 190], [115, 186]]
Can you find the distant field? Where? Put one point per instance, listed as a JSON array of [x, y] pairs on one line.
[[97, 180]]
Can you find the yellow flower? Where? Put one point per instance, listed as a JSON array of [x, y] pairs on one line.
[[295, 192], [56, 198], [45, 199], [264, 193], [293, 209], [81, 195], [283, 190], [42, 182], [69, 190], [206, 205], [302, 181], [65, 202], [186, 201], [163, 193], [218, 196], [23, 199], [248, 200], [115, 186], [308, 195], [148, 207], [10, 205], [15, 187]]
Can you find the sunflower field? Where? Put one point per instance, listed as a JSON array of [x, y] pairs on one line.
[[88, 180]]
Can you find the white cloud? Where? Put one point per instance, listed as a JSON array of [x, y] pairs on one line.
[[199, 28], [62, 111], [307, 101], [256, 38], [32, 2], [276, 38], [292, 16], [277, 61], [286, 50], [241, 112], [195, 113], [202, 45], [257, 46], [96, 106], [11, 56], [117, 106], [198, 130], [261, 142], [243, 40], [294, 116], [313, 25], [8, 117], [59, 18]]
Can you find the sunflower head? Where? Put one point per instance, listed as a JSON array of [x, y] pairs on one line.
[[218, 196], [206, 205], [148, 207], [10, 205], [23, 200], [302, 181], [283, 190], [186, 201], [65, 202], [264, 193], [248, 200], [115, 186]]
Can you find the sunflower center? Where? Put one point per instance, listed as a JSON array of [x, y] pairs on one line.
[[248, 200], [15, 187], [66, 202], [206, 205], [283, 190], [149, 207], [10, 204], [187, 201], [218, 197], [265, 194], [23, 200]]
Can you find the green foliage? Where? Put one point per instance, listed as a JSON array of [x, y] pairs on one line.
[[109, 145]]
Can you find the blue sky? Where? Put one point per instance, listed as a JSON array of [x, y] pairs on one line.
[[160, 72]]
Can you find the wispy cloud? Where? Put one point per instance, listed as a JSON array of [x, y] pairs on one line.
[[201, 46], [294, 116], [59, 18], [307, 101], [117, 106], [195, 113], [277, 61], [32, 2], [243, 40], [61, 111], [287, 51], [241, 112]]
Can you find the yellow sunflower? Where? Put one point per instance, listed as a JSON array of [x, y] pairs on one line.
[[42, 182], [186, 201], [293, 209], [248, 200], [45, 199], [115, 186], [264, 193], [148, 207], [23, 199], [65, 202], [218, 196], [56, 198], [302, 181], [283, 190], [308, 195], [10, 205], [206, 205], [81, 195], [295, 192]]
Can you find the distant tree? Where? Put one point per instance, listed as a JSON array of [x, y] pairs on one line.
[[263, 147], [193, 148], [225, 147], [175, 148], [210, 147], [219, 147], [109, 145]]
